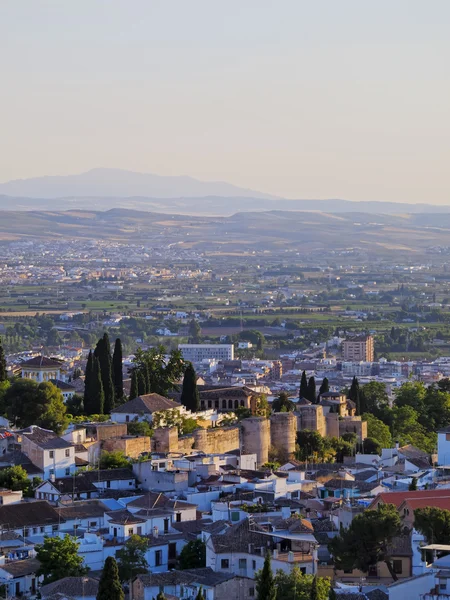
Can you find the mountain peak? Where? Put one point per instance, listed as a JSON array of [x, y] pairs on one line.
[[109, 182]]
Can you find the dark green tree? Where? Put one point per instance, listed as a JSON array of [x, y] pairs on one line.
[[332, 595], [134, 389], [298, 586], [189, 393], [118, 369], [283, 403], [131, 558], [26, 403], [310, 445], [413, 485], [162, 374], [265, 583], [141, 382], [59, 558], [3, 374], [303, 386], [97, 396], [312, 390], [160, 596], [353, 394], [88, 377], [103, 353], [109, 587], [200, 595], [368, 540], [434, 524], [193, 555], [324, 386], [115, 459]]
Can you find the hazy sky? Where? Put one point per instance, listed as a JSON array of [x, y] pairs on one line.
[[301, 98]]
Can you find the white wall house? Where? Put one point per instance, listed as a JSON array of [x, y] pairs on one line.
[[142, 408], [50, 453], [443, 446]]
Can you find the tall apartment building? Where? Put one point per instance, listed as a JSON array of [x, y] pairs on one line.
[[197, 352], [358, 349]]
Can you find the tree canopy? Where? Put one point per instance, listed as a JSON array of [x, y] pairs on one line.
[[297, 586], [433, 523], [283, 403], [59, 558], [161, 374], [193, 555], [131, 558], [115, 459], [26, 403], [367, 540]]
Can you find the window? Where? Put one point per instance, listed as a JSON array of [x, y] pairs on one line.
[[26, 532], [35, 529], [242, 563], [54, 527], [373, 571], [67, 452], [398, 567], [130, 483], [166, 525], [254, 565], [108, 484], [127, 419], [303, 570], [75, 527], [93, 524], [251, 592], [224, 563], [130, 531], [178, 518], [158, 558], [139, 530], [52, 471], [67, 471], [51, 454], [42, 529]]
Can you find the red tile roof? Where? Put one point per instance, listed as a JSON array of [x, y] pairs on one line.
[[398, 498], [442, 502]]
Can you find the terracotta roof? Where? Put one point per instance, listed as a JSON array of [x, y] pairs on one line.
[[152, 500], [205, 577], [20, 568], [146, 404], [63, 385], [123, 517], [41, 362], [81, 510], [398, 497], [45, 439], [72, 586], [440, 502], [26, 514]]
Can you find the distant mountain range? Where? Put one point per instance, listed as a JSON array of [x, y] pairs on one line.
[[119, 183], [104, 189]]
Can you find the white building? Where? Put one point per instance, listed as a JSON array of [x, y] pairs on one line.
[[195, 353], [54, 456], [142, 408], [41, 368], [443, 446]]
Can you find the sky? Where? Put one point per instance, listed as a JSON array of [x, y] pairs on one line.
[[298, 98]]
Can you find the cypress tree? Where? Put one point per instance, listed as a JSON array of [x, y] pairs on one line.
[[303, 386], [311, 392], [325, 386], [88, 376], [109, 587], [117, 369], [189, 394], [148, 383], [354, 394], [103, 353], [98, 396], [200, 595], [134, 390], [141, 383], [3, 375], [265, 585], [332, 595]]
